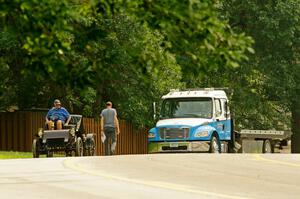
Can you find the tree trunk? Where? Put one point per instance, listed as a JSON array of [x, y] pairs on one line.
[[97, 106], [296, 128]]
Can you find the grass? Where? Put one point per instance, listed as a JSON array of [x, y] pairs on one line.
[[14, 155], [21, 155]]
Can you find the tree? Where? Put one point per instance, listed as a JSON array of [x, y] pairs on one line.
[[130, 67], [72, 51], [201, 42], [40, 34], [274, 27], [130, 52]]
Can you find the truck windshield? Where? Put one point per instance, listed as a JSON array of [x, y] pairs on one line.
[[187, 108]]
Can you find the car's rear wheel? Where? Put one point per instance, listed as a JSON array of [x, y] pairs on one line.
[[214, 145], [79, 147], [91, 147], [91, 151], [35, 148]]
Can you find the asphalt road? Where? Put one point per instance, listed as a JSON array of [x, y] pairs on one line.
[[171, 176]]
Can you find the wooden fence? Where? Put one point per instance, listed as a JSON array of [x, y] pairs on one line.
[[17, 132]]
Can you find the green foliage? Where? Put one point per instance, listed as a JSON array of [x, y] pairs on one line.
[[200, 40], [271, 77], [129, 52], [70, 51], [193, 32], [4, 85], [40, 34], [133, 67]]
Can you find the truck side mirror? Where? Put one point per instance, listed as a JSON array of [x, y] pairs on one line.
[[154, 110], [227, 115]]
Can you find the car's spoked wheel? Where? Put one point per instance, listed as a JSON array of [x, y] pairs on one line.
[[35, 148], [91, 148], [91, 151], [79, 147], [214, 145]]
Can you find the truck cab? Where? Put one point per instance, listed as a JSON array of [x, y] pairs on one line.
[[192, 121]]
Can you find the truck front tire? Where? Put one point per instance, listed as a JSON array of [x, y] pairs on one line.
[[214, 145]]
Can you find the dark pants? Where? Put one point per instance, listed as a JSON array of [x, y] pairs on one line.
[[110, 141]]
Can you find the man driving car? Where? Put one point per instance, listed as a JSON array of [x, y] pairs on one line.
[[57, 116]]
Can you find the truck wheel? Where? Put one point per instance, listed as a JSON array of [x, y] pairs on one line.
[[214, 145], [79, 147], [267, 147], [49, 154], [35, 148]]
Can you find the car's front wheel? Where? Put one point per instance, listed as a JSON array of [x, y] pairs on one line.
[[79, 147]]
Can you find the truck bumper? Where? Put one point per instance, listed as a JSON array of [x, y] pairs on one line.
[[167, 147]]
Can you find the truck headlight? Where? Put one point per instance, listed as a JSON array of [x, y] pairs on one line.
[[151, 135], [201, 134], [40, 132]]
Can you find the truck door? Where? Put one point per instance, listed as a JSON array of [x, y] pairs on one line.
[[227, 120], [222, 123]]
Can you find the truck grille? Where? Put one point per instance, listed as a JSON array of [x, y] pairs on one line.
[[174, 133]]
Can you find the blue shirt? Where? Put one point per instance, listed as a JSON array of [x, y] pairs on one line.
[[55, 114]]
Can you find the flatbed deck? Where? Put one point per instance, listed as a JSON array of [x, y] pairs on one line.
[[265, 134]]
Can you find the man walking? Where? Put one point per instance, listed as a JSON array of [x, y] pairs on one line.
[[110, 128]]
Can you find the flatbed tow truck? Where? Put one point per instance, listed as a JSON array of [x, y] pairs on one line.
[[200, 121]]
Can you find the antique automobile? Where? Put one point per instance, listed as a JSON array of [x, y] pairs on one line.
[[71, 140]]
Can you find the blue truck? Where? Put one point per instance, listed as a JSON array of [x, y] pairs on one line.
[[200, 121]]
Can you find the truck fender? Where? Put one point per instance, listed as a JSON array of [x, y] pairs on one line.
[[153, 134], [153, 130], [206, 128]]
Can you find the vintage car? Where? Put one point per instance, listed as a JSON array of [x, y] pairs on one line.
[[72, 140]]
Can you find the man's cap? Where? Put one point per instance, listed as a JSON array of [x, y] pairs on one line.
[[57, 101], [108, 103]]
